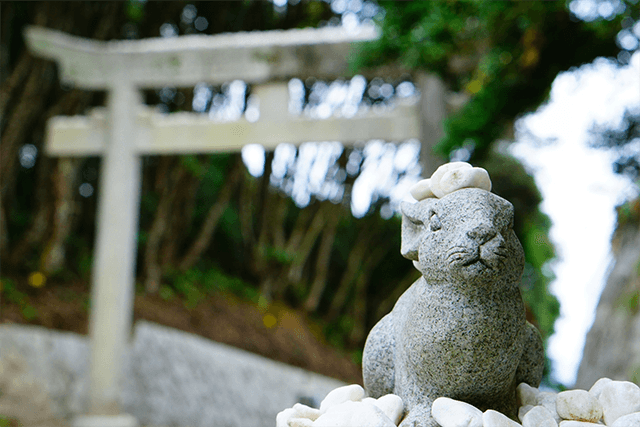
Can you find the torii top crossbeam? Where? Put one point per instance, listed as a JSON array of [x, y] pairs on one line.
[[174, 61]]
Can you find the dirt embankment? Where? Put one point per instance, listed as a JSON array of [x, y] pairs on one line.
[[276, 331]]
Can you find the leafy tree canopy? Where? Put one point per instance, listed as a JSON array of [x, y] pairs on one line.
[[503, 55]]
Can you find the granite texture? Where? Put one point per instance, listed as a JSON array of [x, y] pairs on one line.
[[460, 330]]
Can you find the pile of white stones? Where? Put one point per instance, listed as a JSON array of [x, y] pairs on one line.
[[609, 403], [345, 407]]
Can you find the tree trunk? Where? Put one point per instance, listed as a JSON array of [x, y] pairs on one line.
[[308, 242], [4, 231], [175, 221], [205, 234], [305, 216], [22, 121], [275, 283], [41, 223], [357, 335], [14, 81], [355, 265], [166, 186], [246, 208], [322, 262], [53, 257]]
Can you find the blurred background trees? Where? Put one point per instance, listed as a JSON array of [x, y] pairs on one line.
[[209, 224]]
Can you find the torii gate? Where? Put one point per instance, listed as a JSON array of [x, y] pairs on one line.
[[127, 129]]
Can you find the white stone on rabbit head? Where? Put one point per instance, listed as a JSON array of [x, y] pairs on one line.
[[451, 177]]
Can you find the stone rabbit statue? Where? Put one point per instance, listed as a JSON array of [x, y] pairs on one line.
[[460, 330]]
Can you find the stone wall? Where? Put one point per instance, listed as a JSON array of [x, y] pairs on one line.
[[171, 378]]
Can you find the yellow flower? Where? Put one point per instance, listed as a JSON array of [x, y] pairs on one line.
[[269, 320], [529, 57], [37, 279], [474, 86]]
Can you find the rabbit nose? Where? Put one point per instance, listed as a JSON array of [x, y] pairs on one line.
[[481, 234]]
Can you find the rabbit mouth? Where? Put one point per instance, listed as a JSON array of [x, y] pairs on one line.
[[467, 258], [484, 257], [477, 260]]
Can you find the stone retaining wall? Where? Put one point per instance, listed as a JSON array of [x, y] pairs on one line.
[[171, 378]]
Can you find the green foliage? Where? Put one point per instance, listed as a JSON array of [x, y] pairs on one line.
[[229, 224], [539, 253], [634, 374], [212, 177], [166, 293], [10, 292], [192, 164], [279, 255], [337, 332], [135, 10], [628, 213], [356, 356], [504, 55], [148, 204], [187, 285], [632, 302], [195, 284]]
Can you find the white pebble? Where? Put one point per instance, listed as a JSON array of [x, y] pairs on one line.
[[619, 398], [304, 411], [522, 411], [597, 387], [422, 190], [454, 413], [353, 414], [493, 418], [527, 394], [300, 422], [457, 179], [283, 417], [548, 400], [441, 171], [298, 416], [347, 393], [391, 405], [578, 405], [573, 423], [629, 420], [539, 416]]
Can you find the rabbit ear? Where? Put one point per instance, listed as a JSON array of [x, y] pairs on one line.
[[414, 220]]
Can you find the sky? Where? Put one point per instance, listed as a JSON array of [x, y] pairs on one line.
[[579, 191]]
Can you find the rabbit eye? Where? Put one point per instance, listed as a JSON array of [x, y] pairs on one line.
[[434, 222]]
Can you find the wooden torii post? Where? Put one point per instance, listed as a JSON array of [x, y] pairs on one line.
[[127, 129]]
